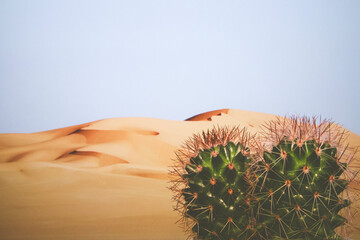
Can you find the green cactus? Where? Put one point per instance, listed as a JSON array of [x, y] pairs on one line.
[[290, 184], [218, 194], [219, 185], [300, 188]]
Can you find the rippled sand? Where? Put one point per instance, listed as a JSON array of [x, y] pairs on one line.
[[106, 179]]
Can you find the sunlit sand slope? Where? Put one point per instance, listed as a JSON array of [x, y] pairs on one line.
[[106, 179]]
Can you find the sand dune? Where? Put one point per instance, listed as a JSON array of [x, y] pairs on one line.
[[106, 179]]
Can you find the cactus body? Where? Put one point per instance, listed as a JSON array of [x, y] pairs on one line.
[[214, 189], [218, 194], [300, 190]]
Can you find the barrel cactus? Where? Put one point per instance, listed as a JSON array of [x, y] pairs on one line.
[[302, 179], [216, 184]]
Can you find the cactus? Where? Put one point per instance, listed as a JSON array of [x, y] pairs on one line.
[[301, 180], [289, 184], [217, 184]]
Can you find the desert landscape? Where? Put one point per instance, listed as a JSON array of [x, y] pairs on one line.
[[106, 179]]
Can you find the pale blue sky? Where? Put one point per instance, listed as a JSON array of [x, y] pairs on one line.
[[69, 62]]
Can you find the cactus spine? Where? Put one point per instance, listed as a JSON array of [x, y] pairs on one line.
[[290, 184]]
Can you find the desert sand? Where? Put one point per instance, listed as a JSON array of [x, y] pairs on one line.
[[105, 179]]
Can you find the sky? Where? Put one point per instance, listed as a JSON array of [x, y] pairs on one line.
[[69, 62]]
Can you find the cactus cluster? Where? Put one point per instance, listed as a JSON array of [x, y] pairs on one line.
[[290, 183]]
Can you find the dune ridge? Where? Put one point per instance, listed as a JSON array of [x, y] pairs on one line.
[[105, 179]]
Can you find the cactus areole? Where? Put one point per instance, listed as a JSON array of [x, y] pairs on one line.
[[230, 186]]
